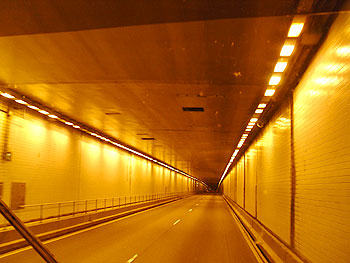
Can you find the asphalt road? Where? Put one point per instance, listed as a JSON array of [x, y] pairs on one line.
[[196, 229]]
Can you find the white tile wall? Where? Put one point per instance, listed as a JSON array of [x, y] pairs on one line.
[[250, 179], [60, 164], [240, 182], [274, 175], [322, 151], [322, 158]]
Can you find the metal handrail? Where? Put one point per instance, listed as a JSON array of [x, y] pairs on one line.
[[44, 211]]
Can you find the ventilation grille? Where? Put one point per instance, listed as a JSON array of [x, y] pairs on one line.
[[192, 109]]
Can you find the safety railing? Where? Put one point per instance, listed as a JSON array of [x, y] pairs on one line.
[[45, 211]]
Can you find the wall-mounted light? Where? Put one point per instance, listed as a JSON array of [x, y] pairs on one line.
[[6, 95], [21, 102], [44, 112]]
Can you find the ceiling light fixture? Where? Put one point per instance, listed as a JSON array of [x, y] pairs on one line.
[[262, 105], [258, 111], [274, 80], [295, 29], [269, 92], [287, 50], [280, 66]]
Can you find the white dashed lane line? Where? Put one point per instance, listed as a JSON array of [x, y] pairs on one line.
[[132, 259], [177, 221], [190, 210]]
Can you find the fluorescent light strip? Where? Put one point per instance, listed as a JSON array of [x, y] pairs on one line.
[[286, 51], [9, 96], [274, 80], [33, 107], [44, 112], [269, 92], [21, 102], [280, 66], [295, 29], [6, 95]]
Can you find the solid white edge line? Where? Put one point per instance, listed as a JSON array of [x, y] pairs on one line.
[[132, 259], [256, 252]]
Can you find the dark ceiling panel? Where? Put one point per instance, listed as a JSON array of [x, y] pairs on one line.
[[48, 16]]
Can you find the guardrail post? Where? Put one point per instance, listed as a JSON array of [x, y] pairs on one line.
[[73, 208], [96, 206], [59, 210], [112, 202], [86, 206], [125, 201], [105, 203], [41, 213]]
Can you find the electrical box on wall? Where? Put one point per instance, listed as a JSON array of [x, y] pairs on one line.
[[7, 156], [18, 191], [1, 189]]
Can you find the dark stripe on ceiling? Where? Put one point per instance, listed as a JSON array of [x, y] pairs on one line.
[[22, 17]]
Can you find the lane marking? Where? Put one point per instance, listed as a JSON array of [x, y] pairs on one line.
[[177, 221], [132, 259], [190, 210], [197, 204], [253, 247], [84, 230]]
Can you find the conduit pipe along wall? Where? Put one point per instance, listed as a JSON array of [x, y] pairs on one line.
[[297, 172], [57, 164]]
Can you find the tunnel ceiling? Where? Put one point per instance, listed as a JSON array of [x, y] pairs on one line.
[[128, 69]]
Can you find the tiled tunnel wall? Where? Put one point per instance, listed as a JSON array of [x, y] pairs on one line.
[[301, 160], [59, 164]]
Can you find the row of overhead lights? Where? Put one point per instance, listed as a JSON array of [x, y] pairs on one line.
[[286, 51], [75, 125]]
